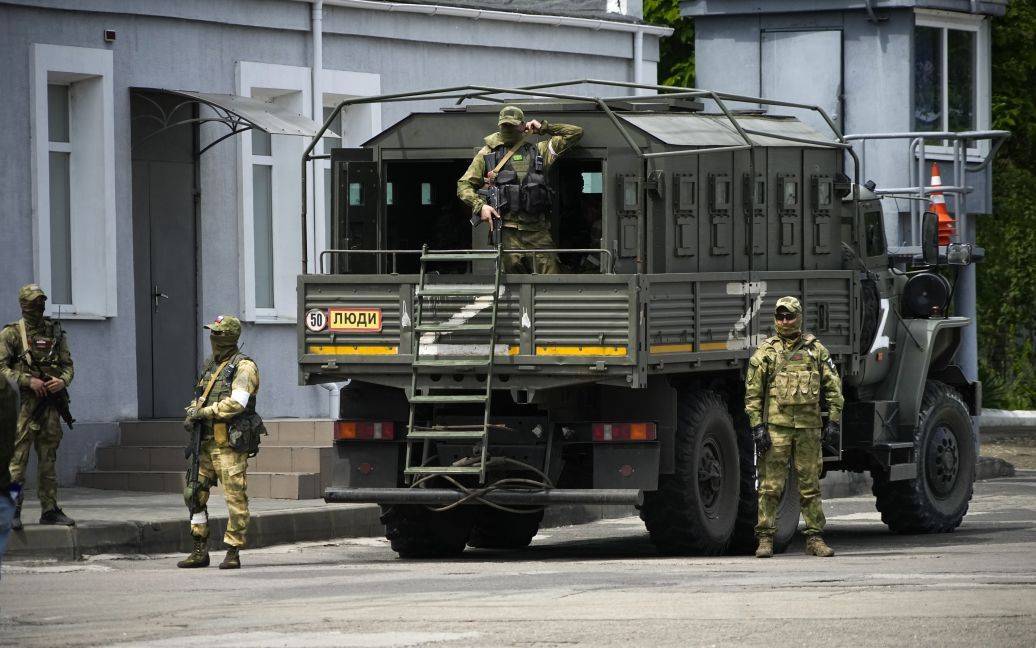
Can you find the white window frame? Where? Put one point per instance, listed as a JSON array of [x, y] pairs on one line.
[[289, 87], [337, 86], [978, 25], [89, 73]]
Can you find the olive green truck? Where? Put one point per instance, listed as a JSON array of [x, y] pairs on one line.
[[476, 398]]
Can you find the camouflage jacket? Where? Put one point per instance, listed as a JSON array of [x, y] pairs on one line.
[[562, 138], [793, 373], [48, 348], [233, 392]]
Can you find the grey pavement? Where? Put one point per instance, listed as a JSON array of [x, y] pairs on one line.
[[599, 584]]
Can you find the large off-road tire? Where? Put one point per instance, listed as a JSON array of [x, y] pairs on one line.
[[944, 445], [417, 532], [788, 511], [496, 529], [743, 541], [694, 510]]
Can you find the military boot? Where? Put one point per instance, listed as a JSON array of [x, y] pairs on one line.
[[233, 559], [815, 546], [56, 516], [765, 548], [198, 558]]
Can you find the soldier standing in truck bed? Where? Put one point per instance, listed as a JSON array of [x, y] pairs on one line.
[[520, 168], [788, 372]]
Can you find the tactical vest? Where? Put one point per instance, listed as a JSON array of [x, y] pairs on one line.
[[223, 386], [796, 377], [529, 194], [43, 352]]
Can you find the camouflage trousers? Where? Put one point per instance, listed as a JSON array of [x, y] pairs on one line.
[[516, 239], [229, 467], [801, 448], [43, 432]]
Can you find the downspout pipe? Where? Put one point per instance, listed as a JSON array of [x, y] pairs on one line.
[[334, 398], [317, 97]]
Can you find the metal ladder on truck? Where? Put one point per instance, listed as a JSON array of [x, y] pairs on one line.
[[424, 392]]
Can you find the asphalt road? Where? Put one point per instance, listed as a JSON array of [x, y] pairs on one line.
[[600, 584]]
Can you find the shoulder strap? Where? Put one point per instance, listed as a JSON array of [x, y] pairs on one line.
[[26, 354], [507, 156], [212, 380]]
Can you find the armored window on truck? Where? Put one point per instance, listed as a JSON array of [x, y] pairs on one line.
[[874, 234]]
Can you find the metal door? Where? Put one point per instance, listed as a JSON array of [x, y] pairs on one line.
[[804, 67], [168, 190], [355, 200]]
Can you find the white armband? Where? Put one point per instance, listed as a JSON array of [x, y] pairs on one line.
[[240, 396]]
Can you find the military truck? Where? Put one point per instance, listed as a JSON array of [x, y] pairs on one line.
[[476, 398]]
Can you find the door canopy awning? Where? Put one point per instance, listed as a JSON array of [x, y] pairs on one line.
[[238, 113]]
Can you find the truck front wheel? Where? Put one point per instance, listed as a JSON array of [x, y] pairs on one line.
[[417, 532], [944, 447], [694, 510]]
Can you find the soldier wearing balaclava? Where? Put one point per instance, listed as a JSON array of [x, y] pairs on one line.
[[34, 356], [786, 376], [224, 417], [518, 168]]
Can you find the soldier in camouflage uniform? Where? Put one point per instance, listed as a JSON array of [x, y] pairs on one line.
[[235, 383], [34, 356], [789, 371], [527, 223]]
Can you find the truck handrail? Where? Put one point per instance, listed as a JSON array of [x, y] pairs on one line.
[[607, 258], [918, 191]]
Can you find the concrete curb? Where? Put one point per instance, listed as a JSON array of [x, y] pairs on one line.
[[36, 542], [995, 420], [134, 537]]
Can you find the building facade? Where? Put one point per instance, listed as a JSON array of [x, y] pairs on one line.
[[145, 213], [875, 66]]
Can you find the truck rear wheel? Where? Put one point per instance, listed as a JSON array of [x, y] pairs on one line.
[[417, 532], [496, 529], [944, 446], [694, 510]]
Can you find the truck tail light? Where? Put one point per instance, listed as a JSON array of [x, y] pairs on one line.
[[624, 432], [378, 430]]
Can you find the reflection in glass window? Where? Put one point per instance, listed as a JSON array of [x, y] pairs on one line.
[[927, 79], [60, 154], [426, 193], [961, 81], [945, 69], [389, 200], [355, 194]]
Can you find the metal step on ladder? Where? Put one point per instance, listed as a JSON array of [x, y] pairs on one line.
[[424, 392]]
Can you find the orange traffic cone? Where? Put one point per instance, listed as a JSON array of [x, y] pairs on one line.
[[947, 226]]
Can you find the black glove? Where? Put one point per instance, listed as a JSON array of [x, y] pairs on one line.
[[761, 436], [832, 435]]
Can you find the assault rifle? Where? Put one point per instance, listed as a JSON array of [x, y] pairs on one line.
[[59, 401], [496, 198], [192, 485]]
